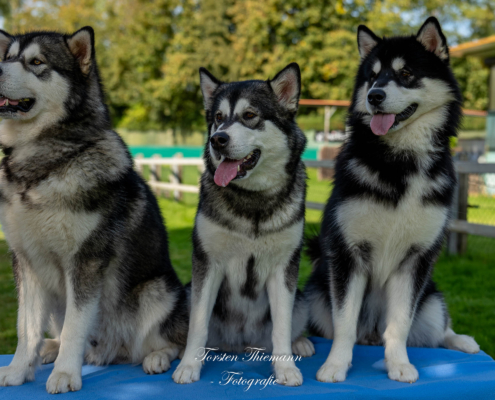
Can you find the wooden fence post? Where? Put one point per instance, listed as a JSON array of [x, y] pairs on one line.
[[176, 176], [139, 167], [463, 206], [457, 241], [327, 153], [329, 111], [201, 169], [453, 237], [156, 173]]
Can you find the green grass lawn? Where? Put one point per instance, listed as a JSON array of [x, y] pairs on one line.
[[467, 281], [8, 303]]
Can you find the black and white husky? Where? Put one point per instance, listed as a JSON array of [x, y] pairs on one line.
[[90, 252], [249, 226], [385, 221]]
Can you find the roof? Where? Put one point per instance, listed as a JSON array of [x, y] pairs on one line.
[[483, 48]]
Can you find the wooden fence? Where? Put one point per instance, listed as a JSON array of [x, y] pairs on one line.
[[176, 163], [459, 227]]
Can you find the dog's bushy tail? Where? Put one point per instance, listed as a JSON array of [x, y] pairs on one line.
[[313, 249]]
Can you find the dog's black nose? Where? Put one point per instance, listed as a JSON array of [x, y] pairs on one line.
[[376, 96], [219, 140]]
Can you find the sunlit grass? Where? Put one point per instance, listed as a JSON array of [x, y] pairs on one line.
[[481, 210], [468, 281]]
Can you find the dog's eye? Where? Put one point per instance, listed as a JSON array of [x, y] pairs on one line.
[[373, 74], [36, 62], [249, 115], [219, 117], [405, 73]]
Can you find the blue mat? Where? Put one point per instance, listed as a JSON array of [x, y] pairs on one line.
[[443, 374]]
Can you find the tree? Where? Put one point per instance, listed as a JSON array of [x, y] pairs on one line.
[[149, 52]]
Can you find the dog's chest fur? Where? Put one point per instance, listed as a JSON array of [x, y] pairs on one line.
[[390, 232], [44, 215], [241, 316], [35, 216], [247, 261], [38, 227]]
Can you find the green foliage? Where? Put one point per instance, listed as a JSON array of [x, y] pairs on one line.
[[473, 78], [149, 52], [4, 8]]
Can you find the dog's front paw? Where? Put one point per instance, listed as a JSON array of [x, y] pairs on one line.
[[303, 347], [405, 372], [288, 375], [49, 351], [15, 376], [63, 382], [187, 372], [330, 372], [157, 362]]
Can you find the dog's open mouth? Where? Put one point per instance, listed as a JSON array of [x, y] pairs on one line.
[[23, 105], [381, 123], [229, 169]]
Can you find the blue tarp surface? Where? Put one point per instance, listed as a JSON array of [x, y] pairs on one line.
[[443, 374]]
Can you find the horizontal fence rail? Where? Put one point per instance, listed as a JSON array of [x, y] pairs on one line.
[[466, 167], [168, 161], [459, 227], [174, 186], [472, 229]]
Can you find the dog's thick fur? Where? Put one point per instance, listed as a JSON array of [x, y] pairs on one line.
[[386, 219], [248, 235], [90, 252]]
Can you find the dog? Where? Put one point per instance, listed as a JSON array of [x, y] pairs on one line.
[[248, 231], [89, 248], [387, 216]]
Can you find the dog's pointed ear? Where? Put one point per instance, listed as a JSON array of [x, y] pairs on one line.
[[367, 41], [208, 85], [5, 40], [82, 46], [431, 36], [287, 86]]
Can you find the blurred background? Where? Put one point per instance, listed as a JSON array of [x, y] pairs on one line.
[[149, 53]]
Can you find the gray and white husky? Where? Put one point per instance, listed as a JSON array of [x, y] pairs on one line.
[[90, 252], [386, 219], [248, 232]]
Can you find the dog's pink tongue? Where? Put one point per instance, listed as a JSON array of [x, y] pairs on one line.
[[226, 171], [3, 100], [381, 123], [13, 102]]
